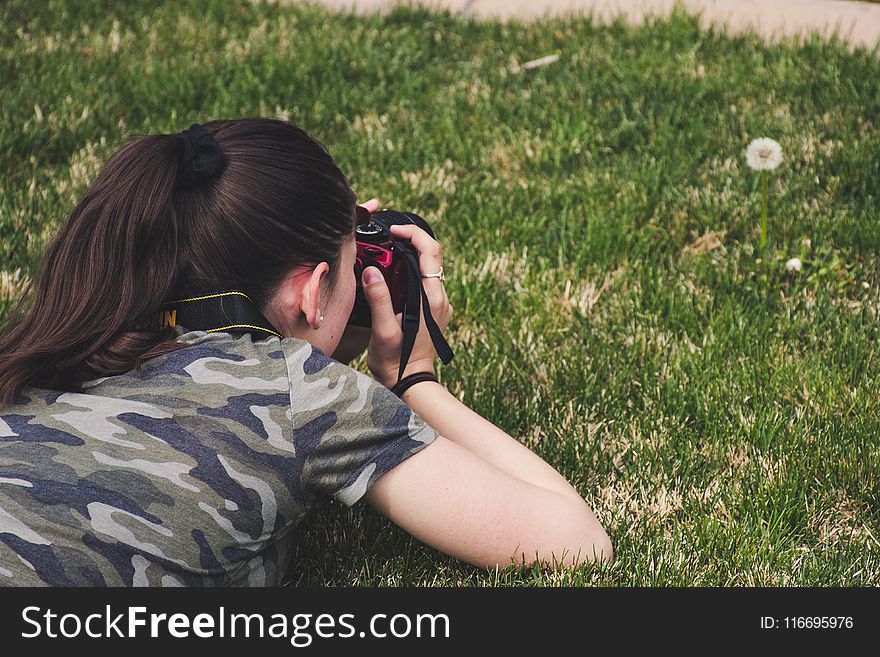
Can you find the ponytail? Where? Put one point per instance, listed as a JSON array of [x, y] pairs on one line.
[[109, 266]]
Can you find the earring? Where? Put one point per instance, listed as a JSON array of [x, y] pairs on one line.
[[320, 316]]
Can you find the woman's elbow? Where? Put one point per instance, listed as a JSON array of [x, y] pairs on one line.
[[601, 544], [590, 542], [574, 538]]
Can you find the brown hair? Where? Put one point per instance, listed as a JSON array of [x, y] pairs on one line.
[[134, 242]]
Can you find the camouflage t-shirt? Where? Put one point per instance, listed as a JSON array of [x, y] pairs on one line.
[[194, 471]]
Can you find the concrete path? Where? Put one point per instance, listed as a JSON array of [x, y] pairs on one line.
[[858, 23]]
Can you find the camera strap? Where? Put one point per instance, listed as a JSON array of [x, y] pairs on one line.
[[416, 298], [232, 312]]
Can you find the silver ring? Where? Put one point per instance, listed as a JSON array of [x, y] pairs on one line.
[[439, 275]]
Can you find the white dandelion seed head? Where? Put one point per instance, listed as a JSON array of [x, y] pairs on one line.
[[764, 154], [794, 264]]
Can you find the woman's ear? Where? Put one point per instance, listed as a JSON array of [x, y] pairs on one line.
[[313, 295], [299, 296]]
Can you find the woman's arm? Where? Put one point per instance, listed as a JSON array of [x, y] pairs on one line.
[[458, 423], [481, 496], [456, 502]]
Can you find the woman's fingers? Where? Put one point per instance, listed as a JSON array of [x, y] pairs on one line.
[[430, 260], [428, 248], [379, 297], [372, 205]]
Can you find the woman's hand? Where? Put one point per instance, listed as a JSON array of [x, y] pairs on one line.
[[386, 340]]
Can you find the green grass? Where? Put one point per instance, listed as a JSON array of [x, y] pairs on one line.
[[600, 226]]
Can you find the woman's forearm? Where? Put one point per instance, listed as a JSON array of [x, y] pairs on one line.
[[456, 422]]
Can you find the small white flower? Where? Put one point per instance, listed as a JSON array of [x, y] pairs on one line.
[[764, 154], [793, 264]]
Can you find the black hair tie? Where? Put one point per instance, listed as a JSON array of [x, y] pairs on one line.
[[200, 158]]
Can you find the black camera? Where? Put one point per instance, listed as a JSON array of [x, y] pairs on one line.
[[377, 247], [398, 261]]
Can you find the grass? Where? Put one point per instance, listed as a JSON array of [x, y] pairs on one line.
[[600, 227]]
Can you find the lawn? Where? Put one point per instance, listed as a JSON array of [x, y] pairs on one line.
[[600, 229]]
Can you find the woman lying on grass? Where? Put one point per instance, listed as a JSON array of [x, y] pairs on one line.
[[132, 454]]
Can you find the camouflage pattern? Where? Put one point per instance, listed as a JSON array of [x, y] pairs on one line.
[[194, 471]]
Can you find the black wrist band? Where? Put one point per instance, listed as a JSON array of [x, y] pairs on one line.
[[407, 381]]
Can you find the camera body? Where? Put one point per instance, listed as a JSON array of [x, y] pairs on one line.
[[377, 247]]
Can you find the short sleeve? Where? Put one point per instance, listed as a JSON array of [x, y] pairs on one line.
[[348, 429]]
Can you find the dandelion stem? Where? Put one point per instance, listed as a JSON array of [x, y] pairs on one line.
[[764, 209]]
